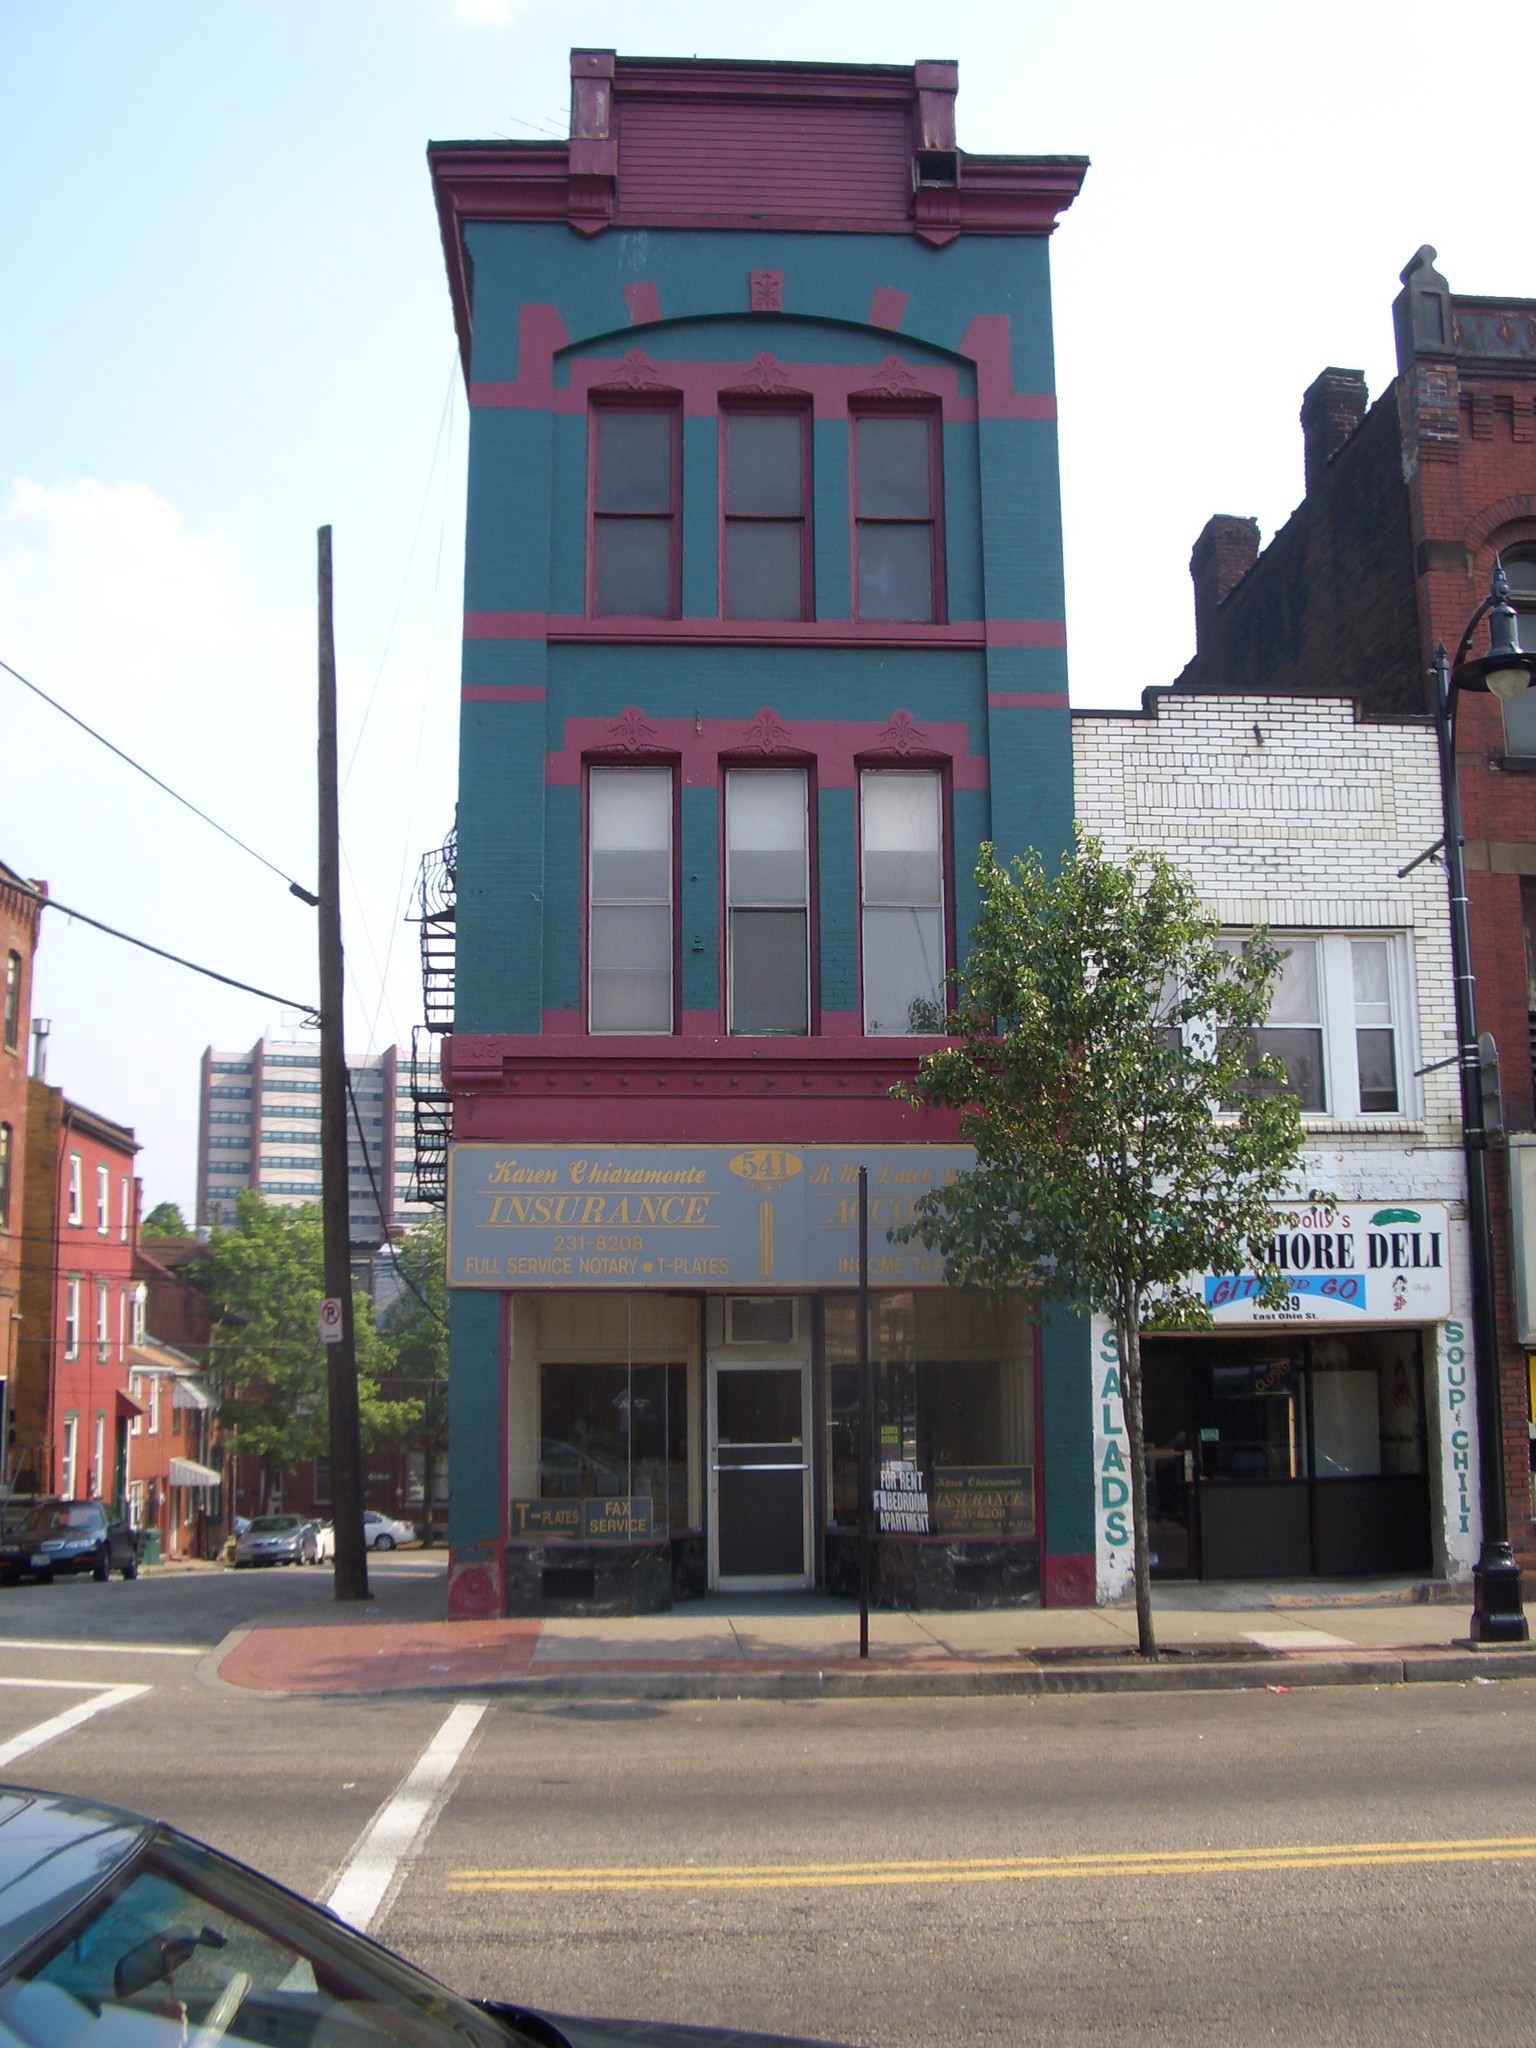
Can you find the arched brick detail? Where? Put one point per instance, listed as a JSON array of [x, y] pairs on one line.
[[1485, 530]]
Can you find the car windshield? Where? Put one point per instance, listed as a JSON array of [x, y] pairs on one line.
[[45, 1521], [184, 1945], [273, 1525]]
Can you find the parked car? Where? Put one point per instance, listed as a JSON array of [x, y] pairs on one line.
[[275, 1539], [116, 1929], [383, 1532], [69, 1536]]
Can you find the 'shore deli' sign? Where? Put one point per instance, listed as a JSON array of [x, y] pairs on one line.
[[732, 1216], [1362, 1262]]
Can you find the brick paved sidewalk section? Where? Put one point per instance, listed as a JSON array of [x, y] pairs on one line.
[[808, 1647]]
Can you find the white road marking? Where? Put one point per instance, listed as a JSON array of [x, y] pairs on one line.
[[375, 1869], [1297, 1639], [98, 1649], [60, 1724]]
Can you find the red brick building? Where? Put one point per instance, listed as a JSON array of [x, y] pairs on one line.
[[1408, 502], [79, 1306], [19, 913]]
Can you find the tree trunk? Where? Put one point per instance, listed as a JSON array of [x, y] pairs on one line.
[[1128, 1337]]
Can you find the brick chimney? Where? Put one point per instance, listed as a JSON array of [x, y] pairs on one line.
[[1331, 409], [1227, 549]]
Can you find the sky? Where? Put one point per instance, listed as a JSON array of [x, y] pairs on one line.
[[226, 324]]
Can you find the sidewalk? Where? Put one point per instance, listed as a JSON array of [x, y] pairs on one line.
[[803, 1646]]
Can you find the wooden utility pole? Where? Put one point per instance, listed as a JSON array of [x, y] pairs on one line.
[[346, 1434]]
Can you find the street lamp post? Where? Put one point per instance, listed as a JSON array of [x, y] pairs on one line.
[[1498, 1614]]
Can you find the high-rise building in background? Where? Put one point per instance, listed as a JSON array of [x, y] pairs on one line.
[[259, 1127]]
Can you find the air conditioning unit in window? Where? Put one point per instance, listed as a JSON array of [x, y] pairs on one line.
[[760, 1318]]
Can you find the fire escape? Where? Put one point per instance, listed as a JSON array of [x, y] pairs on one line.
[[436, 885]]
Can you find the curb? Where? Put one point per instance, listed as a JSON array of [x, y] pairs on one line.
[[1276, 1673]]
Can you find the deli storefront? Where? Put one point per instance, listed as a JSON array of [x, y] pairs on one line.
[[1329, 1436], [679, 1358]]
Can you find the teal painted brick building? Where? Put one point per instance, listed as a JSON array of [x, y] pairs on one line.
[[763, 637]]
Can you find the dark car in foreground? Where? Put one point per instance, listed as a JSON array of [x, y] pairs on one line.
[[117, 1932], [69, 1536]]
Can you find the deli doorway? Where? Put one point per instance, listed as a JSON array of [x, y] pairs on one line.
[[1287, 1455]]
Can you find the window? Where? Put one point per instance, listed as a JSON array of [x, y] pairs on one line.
[[767, 887], [12, 1001], [895, 523], [5, 1176], [1520, 712], [635, 490], [764, 466], [103, 1337], [136, 1394], [75, 1194], [69, 1448], [100, 1481], [154, 1404], [103, 1200], [125, 1195], [616, 1430], [1334, 1023], [901, 875], [629, 899], [72, 1317]]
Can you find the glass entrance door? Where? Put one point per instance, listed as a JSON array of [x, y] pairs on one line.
[[759, 1532]]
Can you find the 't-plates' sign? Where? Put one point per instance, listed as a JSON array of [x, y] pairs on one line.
[[1361, 1262], [725, 1216]]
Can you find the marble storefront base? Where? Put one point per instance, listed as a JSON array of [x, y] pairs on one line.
[[605, 1578], [942, 1574]]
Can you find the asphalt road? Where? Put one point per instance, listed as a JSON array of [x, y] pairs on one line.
[[1334, 1866]]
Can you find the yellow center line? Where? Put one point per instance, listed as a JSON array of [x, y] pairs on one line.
[[995, 1869]]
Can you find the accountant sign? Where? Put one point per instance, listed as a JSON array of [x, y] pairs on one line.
[[686, 1216]]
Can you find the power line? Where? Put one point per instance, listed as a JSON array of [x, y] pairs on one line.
[[309, 1010], [294, 888]]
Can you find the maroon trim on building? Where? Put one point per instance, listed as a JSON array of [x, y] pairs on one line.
[[1067, 1580], [1026, 700], [576, 1089], [501, 693], [571, 628], [886, 306], [642, 302], [838, 747]]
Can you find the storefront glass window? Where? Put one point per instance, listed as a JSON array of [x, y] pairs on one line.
[[954, 1391], [616, 1431]]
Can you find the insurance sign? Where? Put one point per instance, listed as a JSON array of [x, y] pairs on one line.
[[690, 1216]]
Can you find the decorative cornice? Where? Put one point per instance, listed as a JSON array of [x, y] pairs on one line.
[[902, 736], [767, 733], [765, 374], [630, 733], [636, 372]]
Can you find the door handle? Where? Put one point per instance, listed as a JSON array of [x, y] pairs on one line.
[[760, 1468]]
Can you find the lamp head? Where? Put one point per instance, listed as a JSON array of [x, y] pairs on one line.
[[1507, 669]]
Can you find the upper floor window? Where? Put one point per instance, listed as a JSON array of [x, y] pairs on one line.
[[103, 1200], [12, 1001], [76, 1187], [901, 880], [1334, 1023], [103, 1334], [764, 476], [72, 1316], [125, 1212], [636, 486], [630, 946], [5, 1176], [1520, 712], [896, 529], [767, 891]]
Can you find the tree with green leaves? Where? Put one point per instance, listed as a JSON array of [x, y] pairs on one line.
[[1127, 1137], [164, 1220], [265, 1280], [415, 1328]]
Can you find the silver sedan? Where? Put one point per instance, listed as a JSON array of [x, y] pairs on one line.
[[276, 1539]]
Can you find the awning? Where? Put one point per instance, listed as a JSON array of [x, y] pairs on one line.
[[127, 1408], [191, 1394], [187, 1472]]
